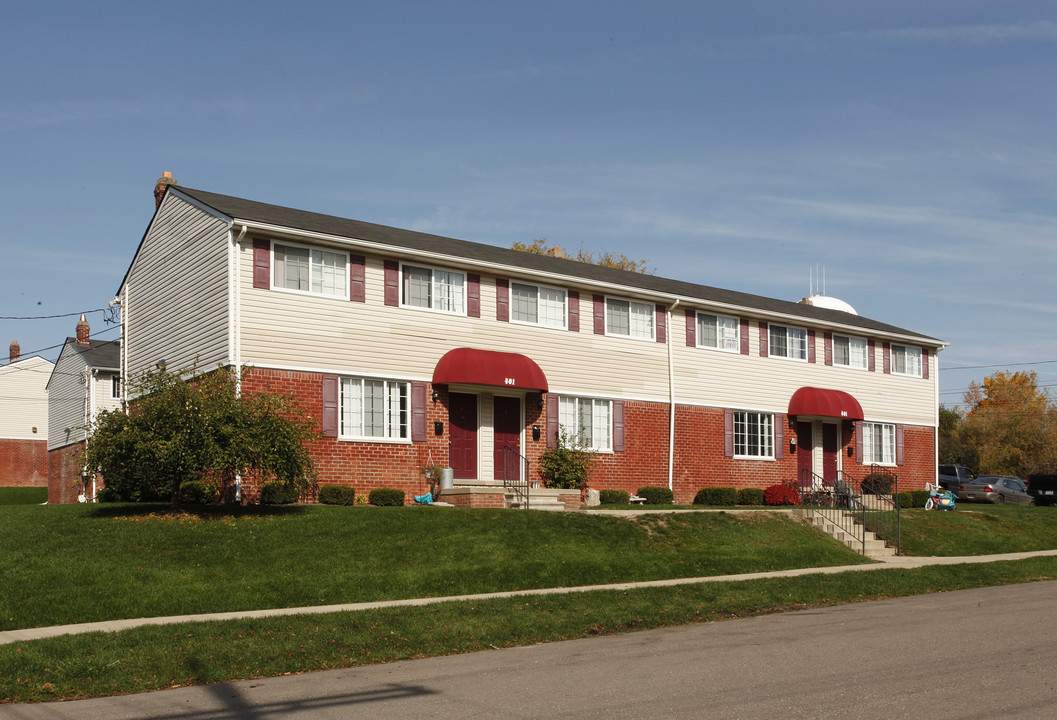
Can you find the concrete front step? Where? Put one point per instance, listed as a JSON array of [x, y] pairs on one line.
[[851, 534]]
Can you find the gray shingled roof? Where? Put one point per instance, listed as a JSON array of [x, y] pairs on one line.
[[99, 353], [249, 210]]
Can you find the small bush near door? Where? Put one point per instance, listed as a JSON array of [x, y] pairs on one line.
[[656, 495], [750, 496], [336, 495], [613, 497], [386, 497], [276, 492], [912, 498], [716, 496], [780, 495], [197, 492]]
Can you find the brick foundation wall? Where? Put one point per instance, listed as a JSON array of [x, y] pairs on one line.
[[64, 474], [23, 463]]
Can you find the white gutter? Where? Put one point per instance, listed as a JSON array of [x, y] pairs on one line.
[[671, 398]]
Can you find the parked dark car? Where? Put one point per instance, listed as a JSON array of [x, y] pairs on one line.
[[995, 489], [951, 476], [1043, 487]]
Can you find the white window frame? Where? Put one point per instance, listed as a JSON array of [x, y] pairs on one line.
[[637, 310], [724, 341], [753, 435], [546, 315], [874, 434], [317, 271], [799, 335], [395, 410], [115, 387], [907, 354], [858, 342], [440, 285], [598, 424]]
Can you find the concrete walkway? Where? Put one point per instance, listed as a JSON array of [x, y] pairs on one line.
[[906, 562]]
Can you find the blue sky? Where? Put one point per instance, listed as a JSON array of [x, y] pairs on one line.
[[909, 148]]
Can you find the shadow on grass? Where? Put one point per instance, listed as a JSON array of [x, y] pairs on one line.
[[112, 510]]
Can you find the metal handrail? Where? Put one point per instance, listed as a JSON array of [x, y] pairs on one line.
[[881, 514], [519, 464]]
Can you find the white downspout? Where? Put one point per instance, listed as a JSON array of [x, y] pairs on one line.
[[671, 400], [234, 326]]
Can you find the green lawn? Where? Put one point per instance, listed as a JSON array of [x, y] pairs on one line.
[[979, 529], [23, 495]]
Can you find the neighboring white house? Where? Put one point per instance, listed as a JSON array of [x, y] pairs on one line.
[[24, 420], [85, 380]]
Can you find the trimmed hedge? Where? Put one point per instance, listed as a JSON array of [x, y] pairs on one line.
[[197, 492], [337, 494], [716, 496], [912, 498], [277, 492], [384, 496], [780, 495], [656, 495], [878, 484], [750, 496], [614, 497]]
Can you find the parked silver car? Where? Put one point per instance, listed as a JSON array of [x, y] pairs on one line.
[[995, 489]]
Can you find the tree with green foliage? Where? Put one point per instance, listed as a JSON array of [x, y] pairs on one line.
[[184, 427], [952, 449], [540, 246]]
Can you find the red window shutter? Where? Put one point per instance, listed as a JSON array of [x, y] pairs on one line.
[[811, 346], [886, 351], [871, 351], [763, 339], [418, 412], [357, 278], [330, 406], [743, 331], [392, 282], [262, 261], [574, 311], [600, 315], [779, 436], [900, 455], [473, 295], [661, 313], [618, 426], [502, 300], [552, 420], [691, 327], [728, 433], [858, 440], [925, 363], [827, 339]]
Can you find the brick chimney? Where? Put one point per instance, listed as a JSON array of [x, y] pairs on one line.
[[164, 182], [15, 350], [82, 331]]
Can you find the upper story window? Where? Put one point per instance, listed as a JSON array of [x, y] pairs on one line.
[[787, 342], [879, 443], [115, 386], [310, 270], [718, 331], [906, 360], [434, 289], [377, 409], [628, 318], [849, 352], [587, 420], [537, 305], [753, 435]]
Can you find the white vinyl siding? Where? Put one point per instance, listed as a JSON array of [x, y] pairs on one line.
[[753, 435], [879, 443], [587, 421], [849, 352], [433, 289], [787, 342], [718, 332], [628, 318], [906, 360], [23, 388], [310, 270], [376, 409], [537, 305]]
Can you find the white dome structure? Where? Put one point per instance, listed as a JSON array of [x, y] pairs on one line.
[[830, 303]]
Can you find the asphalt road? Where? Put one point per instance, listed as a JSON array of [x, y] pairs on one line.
[[987, 653]]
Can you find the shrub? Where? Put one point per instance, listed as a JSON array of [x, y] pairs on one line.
[[336, 495], [716, 496], [912, 498], [780, 495], [566, 465], [878, 483], [277, 492], [384, 496], [108, 495], [750, 496], [613, 497], [197, 492], [656, 495]]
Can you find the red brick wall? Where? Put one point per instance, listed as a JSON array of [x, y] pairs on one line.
[[23, 463], [64, 474]]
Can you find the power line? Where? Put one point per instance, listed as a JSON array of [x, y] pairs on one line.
[[52, 317], [983, 367]]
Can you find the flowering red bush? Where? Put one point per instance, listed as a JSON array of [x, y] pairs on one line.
[[780, 495]]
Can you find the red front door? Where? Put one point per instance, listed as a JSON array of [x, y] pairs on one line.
[[804, 451], [462, 435], [830, 446], [507, 425]]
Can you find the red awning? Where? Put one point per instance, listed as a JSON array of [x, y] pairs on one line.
[[487, 367], [827, 403]]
